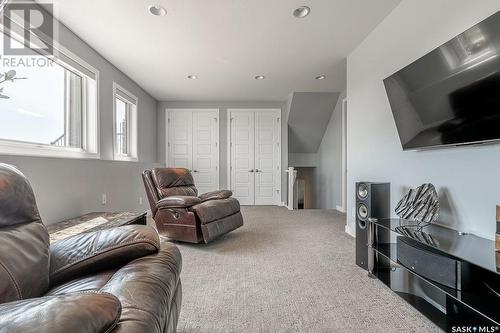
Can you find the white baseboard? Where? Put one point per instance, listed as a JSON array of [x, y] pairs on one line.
[[349, 231], [282, 204], [340, 209]]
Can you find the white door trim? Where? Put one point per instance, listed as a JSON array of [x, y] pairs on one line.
[[228, 148], [344, 155], [167, 150], [280, 160]]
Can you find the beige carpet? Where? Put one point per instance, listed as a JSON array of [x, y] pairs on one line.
[[287, 271]]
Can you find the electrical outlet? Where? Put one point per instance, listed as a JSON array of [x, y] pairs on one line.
[[104, 199], [140, 200]]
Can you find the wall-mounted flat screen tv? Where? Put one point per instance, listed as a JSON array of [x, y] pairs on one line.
[[451, 96]]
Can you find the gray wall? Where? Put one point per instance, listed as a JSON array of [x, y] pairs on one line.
[[223, 106], [329, 170], [467, 178], [66, 188], [307, 120], [303, 159]]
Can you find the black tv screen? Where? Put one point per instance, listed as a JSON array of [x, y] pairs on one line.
[[450, 96]]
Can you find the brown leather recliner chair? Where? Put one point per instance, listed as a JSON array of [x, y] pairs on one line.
[[116, 280], [182, 215]]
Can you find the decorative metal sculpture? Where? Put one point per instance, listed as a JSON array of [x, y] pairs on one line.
[[420, 204]]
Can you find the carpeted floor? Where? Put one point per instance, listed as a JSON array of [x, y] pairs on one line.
[[287, 271]]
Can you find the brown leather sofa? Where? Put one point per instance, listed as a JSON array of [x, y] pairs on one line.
[[117, 280], [180, 214]]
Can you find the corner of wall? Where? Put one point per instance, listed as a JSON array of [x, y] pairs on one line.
[[161, 132]]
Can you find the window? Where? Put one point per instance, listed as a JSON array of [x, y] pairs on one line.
[[125, 124], [50, 109]]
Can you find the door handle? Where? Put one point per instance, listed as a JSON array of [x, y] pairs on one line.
[[250, 170], [257, 170], [195, 170]]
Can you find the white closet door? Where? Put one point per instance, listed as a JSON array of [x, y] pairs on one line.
[[206, 150], [180, 139], [267, 157], [242, 180]]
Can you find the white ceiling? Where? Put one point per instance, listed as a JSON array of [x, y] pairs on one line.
[[226, 43]]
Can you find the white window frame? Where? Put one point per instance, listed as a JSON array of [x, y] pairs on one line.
[[132, 132], [90, 112]]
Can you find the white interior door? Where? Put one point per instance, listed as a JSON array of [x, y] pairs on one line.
[[242, 180], [255, 156], [193, 143], [180, 139], [206, 150], [267, 157]]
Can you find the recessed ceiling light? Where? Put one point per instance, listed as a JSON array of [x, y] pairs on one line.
[[259, 77], [192, 77], [301, 12], [157, 10], [320, 77]]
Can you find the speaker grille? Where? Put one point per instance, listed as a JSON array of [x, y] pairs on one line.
[[362, 212], [362, 191]]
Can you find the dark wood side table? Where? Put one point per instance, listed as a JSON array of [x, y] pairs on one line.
[[92, 222]]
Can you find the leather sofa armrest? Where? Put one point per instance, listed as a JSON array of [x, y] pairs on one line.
[[75, 313], [215, 195], [96, 251], [149, 288], [178, 201]]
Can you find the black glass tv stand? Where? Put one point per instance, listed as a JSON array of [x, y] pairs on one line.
[[452, 278]]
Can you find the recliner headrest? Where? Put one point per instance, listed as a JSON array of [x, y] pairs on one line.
[[172, 177], [17, 200]]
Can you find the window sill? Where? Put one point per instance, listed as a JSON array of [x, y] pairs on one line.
[[125, 158], [41, 150]]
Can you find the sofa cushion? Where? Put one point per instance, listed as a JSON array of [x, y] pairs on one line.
[[24, 249], [174, 181], [216, 195], [24, 240], [100, 250], [93, 282], [213, 210], [75, 313], [177, 201]]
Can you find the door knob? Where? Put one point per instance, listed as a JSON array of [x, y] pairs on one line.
[[250, 170], [257, 170], [195, 170]]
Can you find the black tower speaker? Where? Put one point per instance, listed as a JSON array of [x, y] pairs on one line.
[[373, 200]]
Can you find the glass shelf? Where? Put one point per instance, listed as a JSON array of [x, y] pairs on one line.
[[483, 302], [425, 297], [470, 248], [389, 250]]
